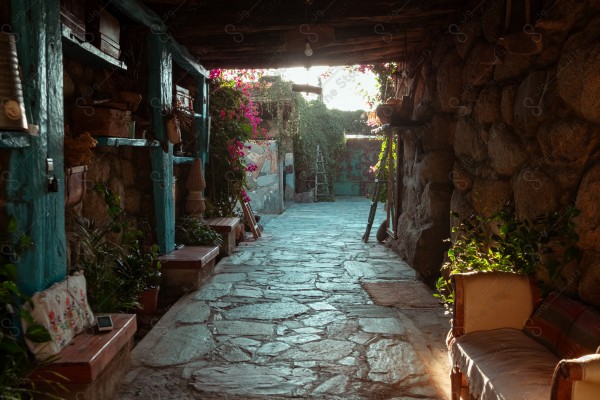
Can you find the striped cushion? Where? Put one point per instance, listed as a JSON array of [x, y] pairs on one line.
[[583, 337], [552, 320]]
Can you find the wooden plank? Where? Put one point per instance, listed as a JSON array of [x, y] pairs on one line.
[[189, 257], [87, 53], [222, 224], [87, 355], [116, 142], [138, 12], [249, 217]]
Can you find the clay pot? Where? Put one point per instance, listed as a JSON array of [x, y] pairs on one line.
[[149, 300], [173, 130]]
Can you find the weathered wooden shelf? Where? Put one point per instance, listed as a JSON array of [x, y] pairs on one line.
[[400, 126], [14, 140], [116, 142], [183, 160], [87, 53]]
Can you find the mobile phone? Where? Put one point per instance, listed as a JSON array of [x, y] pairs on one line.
[[104, 323]]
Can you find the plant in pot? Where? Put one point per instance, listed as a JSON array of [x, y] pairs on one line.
[[177, 120], [77, 156], [117, 267], [143, 267]]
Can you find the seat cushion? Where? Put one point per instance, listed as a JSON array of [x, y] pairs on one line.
[[504, 364]]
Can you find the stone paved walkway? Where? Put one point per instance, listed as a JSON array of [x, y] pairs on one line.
[[286, 317]]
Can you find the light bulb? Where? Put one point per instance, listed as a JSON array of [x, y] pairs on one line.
[[307, 49]]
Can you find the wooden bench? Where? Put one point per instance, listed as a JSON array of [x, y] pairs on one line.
[[185, 269], [93, 363], [88, 363], [227, 228]]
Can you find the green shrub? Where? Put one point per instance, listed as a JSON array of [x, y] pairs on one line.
[[502, 242], [192, 232]]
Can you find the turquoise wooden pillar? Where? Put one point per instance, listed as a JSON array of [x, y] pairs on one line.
[[160, 93], [202, 108], [40, 213]]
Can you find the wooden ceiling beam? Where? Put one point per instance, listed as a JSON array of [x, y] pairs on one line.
[[267, 34]]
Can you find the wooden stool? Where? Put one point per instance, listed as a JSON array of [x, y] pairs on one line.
[[227, 228], [184, 269]]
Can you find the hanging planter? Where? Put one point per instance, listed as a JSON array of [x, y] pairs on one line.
[[177, 120], [75, 184], [173, 129]]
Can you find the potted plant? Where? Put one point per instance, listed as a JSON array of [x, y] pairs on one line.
[[117, 266], [77, 156], [176, 120], [144, 268]]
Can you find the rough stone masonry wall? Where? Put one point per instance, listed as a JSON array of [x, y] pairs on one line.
[[512, 117], [126, 171]]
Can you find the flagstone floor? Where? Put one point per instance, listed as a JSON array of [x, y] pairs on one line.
[[286, 317]]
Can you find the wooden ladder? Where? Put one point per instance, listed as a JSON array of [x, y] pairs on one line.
[[321, 183], [249, 217]]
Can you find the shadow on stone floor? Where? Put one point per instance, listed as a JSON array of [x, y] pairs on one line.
[[286, 317]]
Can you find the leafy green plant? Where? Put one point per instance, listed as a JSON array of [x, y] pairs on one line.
[[502, 242], [191, 231], [16, 363], [117, 266], [383, 165], [316, 125]]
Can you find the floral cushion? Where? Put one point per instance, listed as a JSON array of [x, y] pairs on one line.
[[64, 311]]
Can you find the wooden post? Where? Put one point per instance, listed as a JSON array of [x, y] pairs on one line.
[[160, 93], [203, 121], [40, 213]]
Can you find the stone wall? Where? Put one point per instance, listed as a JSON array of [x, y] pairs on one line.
[[126, 171], [264, 184], [353, 176], [512, 117]]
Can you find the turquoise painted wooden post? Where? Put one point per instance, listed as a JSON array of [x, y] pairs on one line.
[[160, 93], [203, 130], [40, 214]]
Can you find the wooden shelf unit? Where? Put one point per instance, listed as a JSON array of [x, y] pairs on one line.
[[87, 53], [117, 142]]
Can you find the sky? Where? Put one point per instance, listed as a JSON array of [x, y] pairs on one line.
[[340, 89]]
